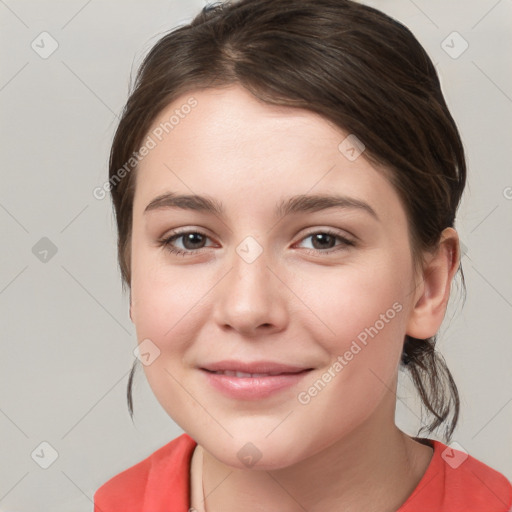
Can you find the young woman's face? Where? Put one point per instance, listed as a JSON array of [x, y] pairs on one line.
[[319, 288]]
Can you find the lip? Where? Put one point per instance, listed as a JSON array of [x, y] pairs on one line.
[[254, 367], [253, 388]]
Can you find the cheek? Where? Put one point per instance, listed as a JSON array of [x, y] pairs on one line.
[[166, 313], [349, 301], [365, 312], [359, 320], [165, 305]]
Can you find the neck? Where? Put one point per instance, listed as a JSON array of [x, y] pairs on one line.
[[374, 468]]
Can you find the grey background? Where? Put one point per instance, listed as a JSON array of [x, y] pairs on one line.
[[67, 339]]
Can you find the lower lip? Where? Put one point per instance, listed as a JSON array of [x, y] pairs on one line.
[[253, 388]]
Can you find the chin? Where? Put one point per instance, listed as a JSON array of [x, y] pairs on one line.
[[259, 454]]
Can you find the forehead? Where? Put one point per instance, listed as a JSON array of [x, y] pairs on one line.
[[229, 144], [233, 122]]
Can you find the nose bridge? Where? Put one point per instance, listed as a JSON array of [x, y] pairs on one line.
[[249, 296]]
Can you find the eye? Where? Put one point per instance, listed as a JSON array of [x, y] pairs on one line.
[[324, 241], [191, 240]]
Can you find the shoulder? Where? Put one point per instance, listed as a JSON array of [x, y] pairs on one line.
[[132, 487], [456, 482], [473, 484]]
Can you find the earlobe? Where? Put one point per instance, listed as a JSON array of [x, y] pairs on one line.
[[433, 292]]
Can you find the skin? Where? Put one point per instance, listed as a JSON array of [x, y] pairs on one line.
[[342, 450]]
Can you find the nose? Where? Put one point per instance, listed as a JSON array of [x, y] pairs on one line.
[[251, 298]]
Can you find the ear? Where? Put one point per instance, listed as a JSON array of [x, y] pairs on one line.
[[131, 307], [433, 289]]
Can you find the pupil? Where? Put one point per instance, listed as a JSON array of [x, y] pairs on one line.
[[190, 238], [194, 238], [323, 237]]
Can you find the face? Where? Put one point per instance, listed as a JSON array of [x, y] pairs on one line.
[[325, 289]]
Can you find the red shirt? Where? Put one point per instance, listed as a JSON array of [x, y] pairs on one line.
[[453, 482]]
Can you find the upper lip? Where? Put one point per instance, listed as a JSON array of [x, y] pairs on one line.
[[253, 367]]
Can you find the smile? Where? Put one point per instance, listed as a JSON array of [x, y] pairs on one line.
[[251, 386], [243, 374]]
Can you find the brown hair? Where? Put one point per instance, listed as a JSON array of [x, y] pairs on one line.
[[358, 68]]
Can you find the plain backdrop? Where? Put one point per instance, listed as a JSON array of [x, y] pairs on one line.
[[67, 340]]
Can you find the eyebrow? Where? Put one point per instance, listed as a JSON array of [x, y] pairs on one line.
[[289, 206]]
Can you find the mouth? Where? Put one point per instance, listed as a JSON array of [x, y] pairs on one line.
[[232, 373], [238, 368], [251, 386]]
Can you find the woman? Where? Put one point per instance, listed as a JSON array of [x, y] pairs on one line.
[[285, 178]]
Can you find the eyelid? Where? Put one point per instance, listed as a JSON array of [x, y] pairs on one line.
[[328, 230], [347, 241], [176, 234], [342, 233]]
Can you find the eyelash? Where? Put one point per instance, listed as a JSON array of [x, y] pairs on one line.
[[167, 243]]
